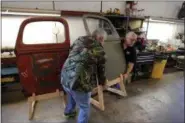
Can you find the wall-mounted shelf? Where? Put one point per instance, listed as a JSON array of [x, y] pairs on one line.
[[125, 17], [123, 23], [116, 16]]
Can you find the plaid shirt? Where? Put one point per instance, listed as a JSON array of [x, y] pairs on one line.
[[84, 66]]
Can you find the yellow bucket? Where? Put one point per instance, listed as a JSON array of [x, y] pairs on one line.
[[158, 69]]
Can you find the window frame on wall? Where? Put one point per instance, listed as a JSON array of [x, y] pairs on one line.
[[171, 29]]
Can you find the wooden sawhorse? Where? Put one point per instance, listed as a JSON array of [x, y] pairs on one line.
[[99, 89], [33, 99]]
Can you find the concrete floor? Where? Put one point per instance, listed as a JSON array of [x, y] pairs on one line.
[[147, 101]]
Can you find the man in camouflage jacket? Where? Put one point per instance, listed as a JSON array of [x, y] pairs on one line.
[[82, 71]]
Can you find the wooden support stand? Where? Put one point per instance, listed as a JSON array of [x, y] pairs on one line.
[[33, 99], [97, 103], [99, 89], [100, 103]]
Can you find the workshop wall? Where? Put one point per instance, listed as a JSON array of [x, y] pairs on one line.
[[14, 22], [28, 5], [161, 8], [10, 28], [154, 9], [157, 8]]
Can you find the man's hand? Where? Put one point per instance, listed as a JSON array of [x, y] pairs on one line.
[[105, 84], [129, 69], [125, 76]]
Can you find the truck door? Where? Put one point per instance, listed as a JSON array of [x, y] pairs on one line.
[[115, 64], [42, 47]]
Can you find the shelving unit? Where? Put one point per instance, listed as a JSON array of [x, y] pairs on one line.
[[123, 23]]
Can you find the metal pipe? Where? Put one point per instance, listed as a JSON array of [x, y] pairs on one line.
[[53, 5], [101, 7], [147, 27]]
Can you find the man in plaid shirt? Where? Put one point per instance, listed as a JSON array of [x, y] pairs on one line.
[[84, 67]]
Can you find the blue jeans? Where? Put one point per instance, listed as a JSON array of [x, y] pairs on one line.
[[82, 100]]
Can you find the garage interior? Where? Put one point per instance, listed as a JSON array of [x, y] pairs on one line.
[[153, 93]]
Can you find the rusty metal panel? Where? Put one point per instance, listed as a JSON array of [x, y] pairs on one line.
[[115, 59], [39, 65]]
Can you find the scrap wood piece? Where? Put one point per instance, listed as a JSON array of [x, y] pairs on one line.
[[33, 99]]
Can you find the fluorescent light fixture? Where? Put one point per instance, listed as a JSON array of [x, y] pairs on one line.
[[165, 20], [160, 21], [28, 14]]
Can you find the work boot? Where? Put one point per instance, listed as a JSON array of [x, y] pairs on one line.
[[70, 115]]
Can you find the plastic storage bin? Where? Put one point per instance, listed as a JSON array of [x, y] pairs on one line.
[[158, 69]]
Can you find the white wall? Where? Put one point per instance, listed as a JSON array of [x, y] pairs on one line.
[[78, 6], [160, 9], [30, 5], [9, 30], [11, 24], [157, 9], [164, 9]]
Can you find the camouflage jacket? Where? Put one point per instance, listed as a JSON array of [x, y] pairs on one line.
[[85, 65]]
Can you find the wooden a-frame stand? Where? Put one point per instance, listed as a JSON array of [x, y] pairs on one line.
[[33, 99], [99, 89]]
